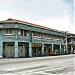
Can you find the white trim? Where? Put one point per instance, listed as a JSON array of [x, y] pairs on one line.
[[0, 56], [34, 36], [8, 34]]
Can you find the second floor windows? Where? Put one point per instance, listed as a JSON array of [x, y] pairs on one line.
[[37, 34], [23, 32], [47, 36], [8, 31]]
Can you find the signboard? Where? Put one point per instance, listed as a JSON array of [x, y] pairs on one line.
[[36, 45]]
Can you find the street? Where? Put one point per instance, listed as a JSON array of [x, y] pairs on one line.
[[48, 65]]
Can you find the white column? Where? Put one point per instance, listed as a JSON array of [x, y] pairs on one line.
[[60, 48], [1, 44], [64, 49], [30, 49], [52, 47], [16, 49], [16, 44], [71, 49], [1, 48], [42, 49]]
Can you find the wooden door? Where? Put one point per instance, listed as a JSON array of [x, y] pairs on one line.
[[20, 48]]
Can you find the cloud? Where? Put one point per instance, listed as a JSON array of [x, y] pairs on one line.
[[4, 14], [52, 8], [56, 14], [62, 24]]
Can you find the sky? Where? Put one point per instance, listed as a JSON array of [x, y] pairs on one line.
[[55, 14]]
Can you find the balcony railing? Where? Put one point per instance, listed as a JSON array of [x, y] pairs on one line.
[[23, 38]]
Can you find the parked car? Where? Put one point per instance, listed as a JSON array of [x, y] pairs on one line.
[[50, 53], [54, 53]]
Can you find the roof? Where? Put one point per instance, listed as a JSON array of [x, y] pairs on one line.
[[10, 20], [71, 35]]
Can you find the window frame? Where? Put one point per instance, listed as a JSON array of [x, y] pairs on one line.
[[8, 32]]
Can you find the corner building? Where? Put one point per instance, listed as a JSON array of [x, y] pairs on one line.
[[71, 43], [23, 39]]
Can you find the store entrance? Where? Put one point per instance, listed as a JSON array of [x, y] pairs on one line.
[[20, 50], [56, 48], [27, 52], [47, 49], [36, 51], [8, 49]]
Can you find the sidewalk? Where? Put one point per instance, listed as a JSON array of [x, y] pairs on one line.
[[13, 60]]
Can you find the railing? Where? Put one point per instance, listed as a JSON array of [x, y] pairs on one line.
[[23, 38], [37, 39], [45, 39], [70, 42], [12, 37], [8, 36]]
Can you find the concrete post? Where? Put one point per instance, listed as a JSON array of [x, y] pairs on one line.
[[60, 48], [42, 49], [1, 44], [52, 47], [30, 49], [16, 49], [71, 48], [1, 48], [16, 44], [64, 49]]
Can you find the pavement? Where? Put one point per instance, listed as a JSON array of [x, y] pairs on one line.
[[11, 60]]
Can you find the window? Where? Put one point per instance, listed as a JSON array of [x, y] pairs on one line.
[[45, 35], [8, 31], [49, 36], [34, 34], [39, 34], [23, 32]]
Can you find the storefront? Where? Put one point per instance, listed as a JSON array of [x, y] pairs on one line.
[[56, 47], [36, 49], [47, 49], [8, 49], [23, 49]]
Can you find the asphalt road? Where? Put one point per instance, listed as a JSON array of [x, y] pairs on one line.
[[49, 65]]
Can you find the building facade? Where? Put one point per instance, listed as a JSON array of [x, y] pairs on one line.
[[71, 42], [23, 39]]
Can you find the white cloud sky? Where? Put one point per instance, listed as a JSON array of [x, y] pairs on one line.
[[56, 14]]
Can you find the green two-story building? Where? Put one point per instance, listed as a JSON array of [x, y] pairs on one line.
[[23, 39]]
